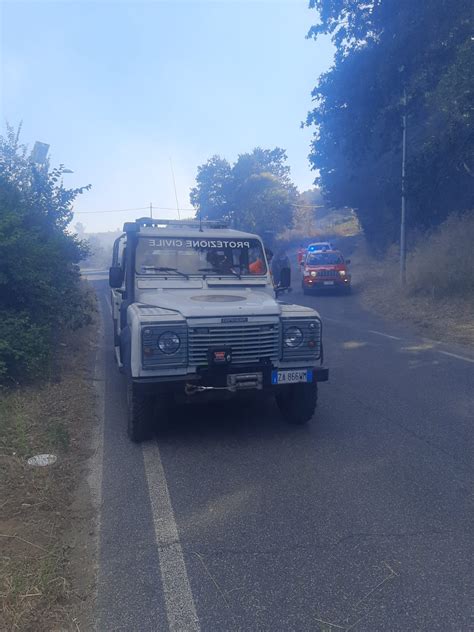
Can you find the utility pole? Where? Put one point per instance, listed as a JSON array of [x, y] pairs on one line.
[[403, 246], [151, 210], [174, 186]]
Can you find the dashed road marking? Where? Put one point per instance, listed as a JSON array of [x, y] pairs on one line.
[[380, 333], [455, 355], [180, 608]]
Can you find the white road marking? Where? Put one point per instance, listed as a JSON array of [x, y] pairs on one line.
[[454, 355], [180, 608], [380, 333], [110, 309]]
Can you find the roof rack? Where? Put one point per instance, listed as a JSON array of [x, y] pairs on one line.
[[151, 222]]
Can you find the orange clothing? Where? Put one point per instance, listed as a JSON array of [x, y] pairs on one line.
[[257, 267]]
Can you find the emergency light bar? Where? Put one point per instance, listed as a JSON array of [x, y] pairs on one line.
[[150, 222]]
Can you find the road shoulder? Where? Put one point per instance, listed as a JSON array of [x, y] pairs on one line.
[[48, 525]]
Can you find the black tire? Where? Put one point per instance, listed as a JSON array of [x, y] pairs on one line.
[[306, 291], [140, 403], [347, 289], [297, 402]]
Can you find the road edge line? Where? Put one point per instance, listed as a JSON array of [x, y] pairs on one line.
[[179, 601]]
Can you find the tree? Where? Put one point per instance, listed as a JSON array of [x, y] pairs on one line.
[[255, 193], [39, 275], [210, 195], [386, 48]]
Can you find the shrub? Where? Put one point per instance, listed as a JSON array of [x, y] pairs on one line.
[[24, 346], [40, 288]]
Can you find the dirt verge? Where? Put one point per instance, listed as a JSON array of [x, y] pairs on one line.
[[47, 518], [437, 316]]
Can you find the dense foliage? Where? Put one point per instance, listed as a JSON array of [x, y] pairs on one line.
[[39, 276], [383, 49], [255, 193]]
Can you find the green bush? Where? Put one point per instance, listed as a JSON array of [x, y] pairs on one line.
[[24, 346], [40, 288]]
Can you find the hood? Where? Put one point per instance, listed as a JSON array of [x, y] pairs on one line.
[[329, 266], [208, 303]]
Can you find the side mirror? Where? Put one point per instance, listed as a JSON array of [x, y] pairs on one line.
[[115, 277], [348, 261]]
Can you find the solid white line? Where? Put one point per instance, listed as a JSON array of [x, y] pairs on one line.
[[454, 355], [379, 333], [180, 608]]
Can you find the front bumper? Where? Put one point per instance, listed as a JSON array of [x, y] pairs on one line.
[[218, 377], [313, 283]]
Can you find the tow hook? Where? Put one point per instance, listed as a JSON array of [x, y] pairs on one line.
[[192, 389], [236, 382]]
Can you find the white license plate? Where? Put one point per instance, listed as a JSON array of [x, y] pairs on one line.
[[292, 376], [328, 283]]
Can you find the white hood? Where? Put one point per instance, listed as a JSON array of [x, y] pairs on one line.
[[207, 302]]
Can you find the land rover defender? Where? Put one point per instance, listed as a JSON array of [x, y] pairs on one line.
[[195, 315]]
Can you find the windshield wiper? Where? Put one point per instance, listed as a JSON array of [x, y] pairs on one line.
[[221, 272], [165, 269]]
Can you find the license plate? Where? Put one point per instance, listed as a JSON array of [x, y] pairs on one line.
[[292, 376], [328, 283]]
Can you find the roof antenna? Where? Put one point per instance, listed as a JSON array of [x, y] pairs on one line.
[[174, 185]]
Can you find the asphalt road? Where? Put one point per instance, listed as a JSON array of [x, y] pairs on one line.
[[360, 521]]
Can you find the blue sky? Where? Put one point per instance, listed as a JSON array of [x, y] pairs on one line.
[[117, 88]]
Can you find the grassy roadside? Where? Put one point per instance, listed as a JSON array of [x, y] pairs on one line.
[[447, 317], [46, 517]]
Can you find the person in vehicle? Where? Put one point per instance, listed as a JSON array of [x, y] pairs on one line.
[[257, 265]]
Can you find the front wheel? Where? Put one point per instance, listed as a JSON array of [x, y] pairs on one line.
[[297, 402], [140, 404]]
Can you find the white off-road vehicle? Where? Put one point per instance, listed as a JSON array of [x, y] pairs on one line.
[[195, 315]]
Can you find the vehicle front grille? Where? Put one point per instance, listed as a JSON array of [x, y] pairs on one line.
[[249, 343], [327, 273]]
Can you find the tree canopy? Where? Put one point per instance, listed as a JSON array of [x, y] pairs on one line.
[[385, 48], [255, 193]]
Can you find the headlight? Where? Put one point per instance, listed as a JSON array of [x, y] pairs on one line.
[[342, 273], [313, 273], [169, 342], [293, 337]]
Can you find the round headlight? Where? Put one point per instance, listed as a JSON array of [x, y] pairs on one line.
[[313, 273], [169, 342], [342, 273], [293, 337]]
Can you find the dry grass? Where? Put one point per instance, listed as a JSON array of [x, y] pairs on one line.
[[439, 297], [337, 224], [44, 585]]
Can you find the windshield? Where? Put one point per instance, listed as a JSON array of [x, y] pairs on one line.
[[199, 256], [324, 258]]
